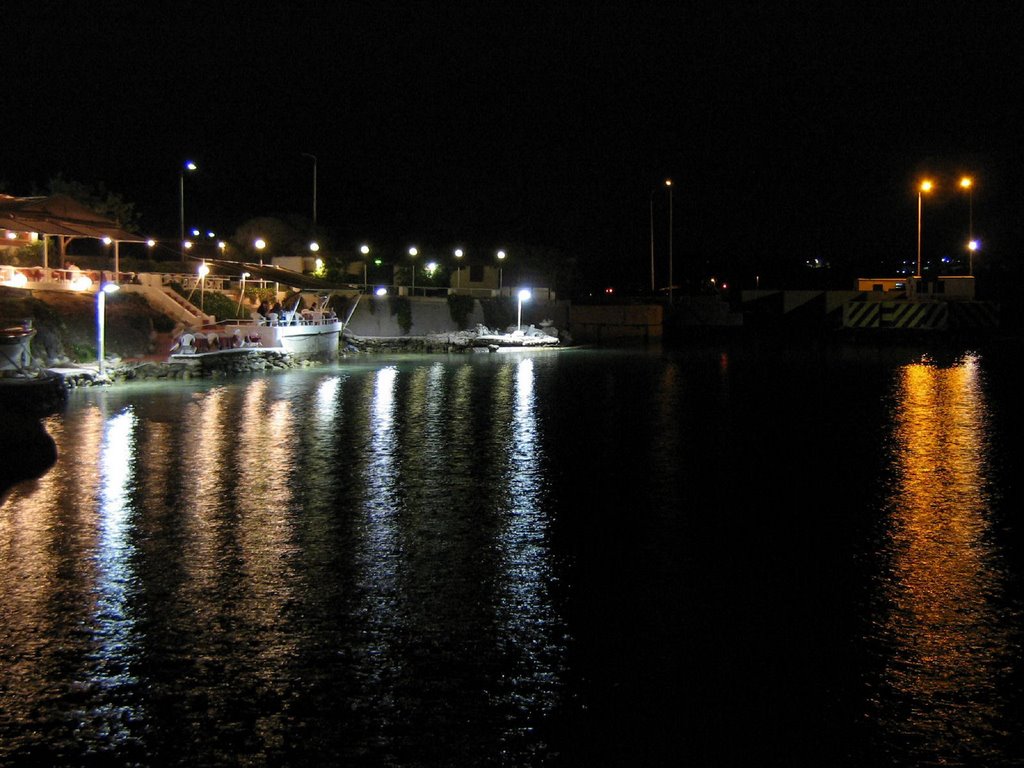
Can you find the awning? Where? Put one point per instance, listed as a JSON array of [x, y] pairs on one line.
[[59, 215], [271, 273]]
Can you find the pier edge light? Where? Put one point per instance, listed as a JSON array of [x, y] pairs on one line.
[[523, 295], [101, 295]]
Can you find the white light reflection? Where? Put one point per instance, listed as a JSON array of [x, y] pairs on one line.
[[527, 616], [944, 628], [327, 400], [114, 621], [380, 558]]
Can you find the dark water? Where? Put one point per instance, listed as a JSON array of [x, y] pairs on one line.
[[746, 555]]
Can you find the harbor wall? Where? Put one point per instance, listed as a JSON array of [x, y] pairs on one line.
[[378, 316]]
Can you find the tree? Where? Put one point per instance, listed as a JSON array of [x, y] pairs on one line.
[[98, 199]]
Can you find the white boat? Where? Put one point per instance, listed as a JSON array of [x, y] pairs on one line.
[[309, 334]]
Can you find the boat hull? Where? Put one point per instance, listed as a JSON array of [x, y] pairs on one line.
[[307, 340]]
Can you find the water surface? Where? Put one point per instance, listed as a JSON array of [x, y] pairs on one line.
[[721, 556]]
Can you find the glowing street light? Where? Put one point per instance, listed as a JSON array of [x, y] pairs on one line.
[[187, 166], [365, 250], [926, 186], [524, 295], [501, 257], [972, 246], [203, 270], [967, 183], [413, 253], [459, 253], [101, 296]]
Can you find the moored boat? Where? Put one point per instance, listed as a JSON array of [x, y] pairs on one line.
[[310, 334]]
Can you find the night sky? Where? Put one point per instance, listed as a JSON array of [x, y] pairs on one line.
[[793, 130]]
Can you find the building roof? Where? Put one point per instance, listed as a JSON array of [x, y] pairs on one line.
[[59, 215]]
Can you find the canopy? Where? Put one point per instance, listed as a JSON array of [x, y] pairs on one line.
[[59, 215], [272, 273]]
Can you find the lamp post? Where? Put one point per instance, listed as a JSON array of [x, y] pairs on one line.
[[365, 250], [188, 166], [313, 158], [412, 253], [925, 186], [501, 257], [972, 246], [101, 296], [241, 293], [524, 295], [204, 270], [967, 183], [652, 242], [459, 253], [668, 183]]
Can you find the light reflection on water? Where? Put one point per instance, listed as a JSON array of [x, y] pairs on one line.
[[515, 560], [946, 637]]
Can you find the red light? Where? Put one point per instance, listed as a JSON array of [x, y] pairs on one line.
[[609, 290]]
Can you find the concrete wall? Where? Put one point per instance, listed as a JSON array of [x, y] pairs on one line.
[[597, 322], [431, 315]]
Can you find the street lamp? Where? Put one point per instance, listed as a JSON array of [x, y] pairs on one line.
[[241, 293], [967, 183], [652, 242], [365, 250], [313, 158], [524, 295], [972, 246], [501, 257], [926, 186], [188, 166], [413, 252], [101, 296], [204, 270], [459, 253], [668, 183]]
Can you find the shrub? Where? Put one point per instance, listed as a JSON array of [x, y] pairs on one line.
[[401, 310], [460, 308]]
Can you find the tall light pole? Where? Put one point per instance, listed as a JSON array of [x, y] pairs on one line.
[[241, 293], [413, 252], [101, 296], [668, 183], [313, 158], [967, 183], [652, 242], [926, 186], [458, 269], [203, 272], [972, 246], [365, 250], [501, 257], [187, 166]]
